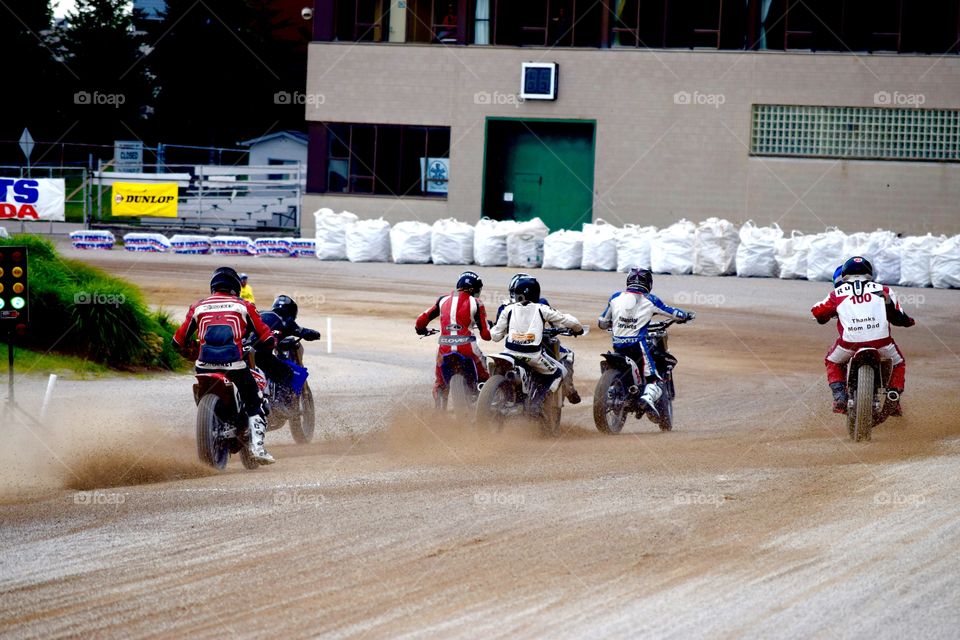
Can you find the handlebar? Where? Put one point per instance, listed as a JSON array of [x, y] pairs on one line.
[[430, 332], [552, 332]]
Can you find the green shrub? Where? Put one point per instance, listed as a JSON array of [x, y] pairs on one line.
[[80, 310]]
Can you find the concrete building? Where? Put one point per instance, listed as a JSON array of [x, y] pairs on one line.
[[812, 114]]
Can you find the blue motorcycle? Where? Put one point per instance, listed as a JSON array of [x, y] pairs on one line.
[[292, 403]]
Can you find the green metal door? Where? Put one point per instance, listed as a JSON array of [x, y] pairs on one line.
[[540, 168]]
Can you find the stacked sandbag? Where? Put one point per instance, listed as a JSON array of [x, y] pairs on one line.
[[826, 254], [633, 247], [410, 242], [757, 253], [451, 242], [945, 264], [671, 251], [146, 242], [915, 256], [525, 244], [190, 244], [232, 246], [791, 255], [599, 246], [490, 242], [715, 243], [563, 250], [301, 247], [883, 250], [272, 247], [331, 234], [92, 240], [368, 241]]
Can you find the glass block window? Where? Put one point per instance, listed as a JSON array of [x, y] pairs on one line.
[[857, 133]]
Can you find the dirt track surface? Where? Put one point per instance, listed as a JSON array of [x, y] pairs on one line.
[[755, 518]]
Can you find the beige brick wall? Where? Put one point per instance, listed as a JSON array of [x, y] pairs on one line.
[[656, 161]]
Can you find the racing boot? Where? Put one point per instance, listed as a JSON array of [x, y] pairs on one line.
[[258, 429], [839, 396], [651, 394], [570, 391]]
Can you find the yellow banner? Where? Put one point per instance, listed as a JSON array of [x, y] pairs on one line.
[[139, 199]]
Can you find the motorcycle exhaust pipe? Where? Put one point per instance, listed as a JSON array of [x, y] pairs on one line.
[[633, 390], [511, 376], [893, 396]]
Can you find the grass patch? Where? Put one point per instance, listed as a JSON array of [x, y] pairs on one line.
[[82, 311], [34, 362]]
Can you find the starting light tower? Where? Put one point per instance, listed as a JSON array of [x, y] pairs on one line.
[[14, 301]]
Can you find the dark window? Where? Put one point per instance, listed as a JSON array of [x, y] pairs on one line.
[[382, 159], [554, 23], [363, 20], [715, 24]]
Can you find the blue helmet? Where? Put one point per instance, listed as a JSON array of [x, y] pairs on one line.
[[838, 276]]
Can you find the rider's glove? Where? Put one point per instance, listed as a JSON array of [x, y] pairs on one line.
[[421, 331], [577, 332], [309, 334], [911, 322], [490, 324], [685, 316]]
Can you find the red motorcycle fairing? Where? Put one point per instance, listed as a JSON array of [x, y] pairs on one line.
[[217, 384], [260, 379]]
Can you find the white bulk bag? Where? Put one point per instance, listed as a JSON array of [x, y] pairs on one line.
[[715, 248], [826, 254], [671, 251], [633, 247], [792, 255], [525, 244], [563, 250], [854, 244], [368, 241], [451, 242], [599, 246], [331, 233], [945, 264], [757, 253], [915, 254], [410, 242], [883, 251], [490, 242]]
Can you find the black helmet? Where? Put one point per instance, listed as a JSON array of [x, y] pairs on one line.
[[856, 266], [639, 280], [470, 282], [513, 284], [527, 290], [285, 307], [225, 279]]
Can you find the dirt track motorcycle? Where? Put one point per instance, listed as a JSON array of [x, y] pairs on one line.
[[514, 390], [460, 378], [621, 384], [294, 403], [222, 424], [868, 377]]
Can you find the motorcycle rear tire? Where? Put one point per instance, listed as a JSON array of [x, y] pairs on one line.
[[550, 418], [861, 423], [459, 398], [210, 449], [610, 382], [304, 422]]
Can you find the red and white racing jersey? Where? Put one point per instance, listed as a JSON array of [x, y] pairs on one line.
[[861, 310], [222, 321], [459, 313]]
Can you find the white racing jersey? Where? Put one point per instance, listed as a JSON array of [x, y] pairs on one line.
[[522, 325]]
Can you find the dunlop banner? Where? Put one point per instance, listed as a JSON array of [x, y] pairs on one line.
[[140, 199]]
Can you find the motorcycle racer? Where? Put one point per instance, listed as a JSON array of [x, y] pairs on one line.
[[522, 323], [222, 321], [282, 320], [459, 312], [864, 310], [629, 313]]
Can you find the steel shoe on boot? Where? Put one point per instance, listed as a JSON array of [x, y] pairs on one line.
[[839, 390], [258, 428], [649, 398], [893, 406]]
